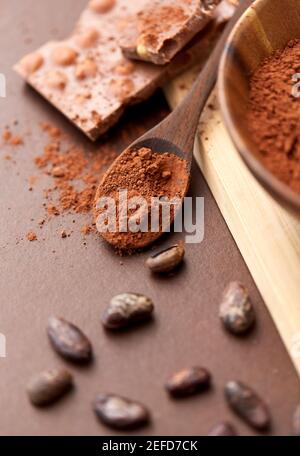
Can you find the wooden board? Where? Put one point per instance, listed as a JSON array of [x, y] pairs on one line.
[[267, 236]]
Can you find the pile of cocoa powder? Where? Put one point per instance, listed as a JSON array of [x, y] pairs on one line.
[[71, 168], [274, 112], [74, 173], [142, 173]]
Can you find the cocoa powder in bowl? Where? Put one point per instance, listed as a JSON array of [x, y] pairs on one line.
[[142, 173], [274, 112]]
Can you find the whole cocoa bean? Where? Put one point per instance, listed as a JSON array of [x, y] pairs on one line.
[[236, 310], [188, 381], [49, 386], [120, 413], [125, 309], [248, 405], [166, 260], [68, 340]]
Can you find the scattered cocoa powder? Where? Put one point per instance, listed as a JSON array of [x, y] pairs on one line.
[[52, 210], [86, 229], [52, 130], [9, 138], [32, 180], [74, 172], [63, 234], [71, 172], [273, 114], [16, 141], [143, 173], [31, 236]]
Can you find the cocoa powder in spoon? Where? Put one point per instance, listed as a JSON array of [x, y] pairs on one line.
[[142, 173]]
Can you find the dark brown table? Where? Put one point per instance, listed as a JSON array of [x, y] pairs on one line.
[[77, 281]]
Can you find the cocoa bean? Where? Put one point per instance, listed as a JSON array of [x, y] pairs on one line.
[[166, 260], [247, 405], [68, 340], [120, 413], [125, 309], [49, 386], [236, 310], [188, 381]]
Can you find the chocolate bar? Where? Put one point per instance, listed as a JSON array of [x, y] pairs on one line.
[[87, 77], [163, 27]]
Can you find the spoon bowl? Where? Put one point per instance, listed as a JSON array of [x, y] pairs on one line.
[[150, 175], [265, 27]]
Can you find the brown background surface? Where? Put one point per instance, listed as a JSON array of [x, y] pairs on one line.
[[77, 281]]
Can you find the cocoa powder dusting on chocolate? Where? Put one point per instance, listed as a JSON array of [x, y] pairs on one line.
[[150, 27], [273, 114], [142, 173]]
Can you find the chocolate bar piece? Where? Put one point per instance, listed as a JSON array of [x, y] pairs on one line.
[[163, 27], [87, 77]]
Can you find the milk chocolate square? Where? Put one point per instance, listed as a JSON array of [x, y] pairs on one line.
[[163, 27]]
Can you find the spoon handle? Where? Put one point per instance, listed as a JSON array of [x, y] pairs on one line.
[[181, 125]]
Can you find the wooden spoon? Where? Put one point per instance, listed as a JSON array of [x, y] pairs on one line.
[[174, 135]]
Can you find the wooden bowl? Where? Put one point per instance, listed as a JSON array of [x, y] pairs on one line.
[[266, 26]]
